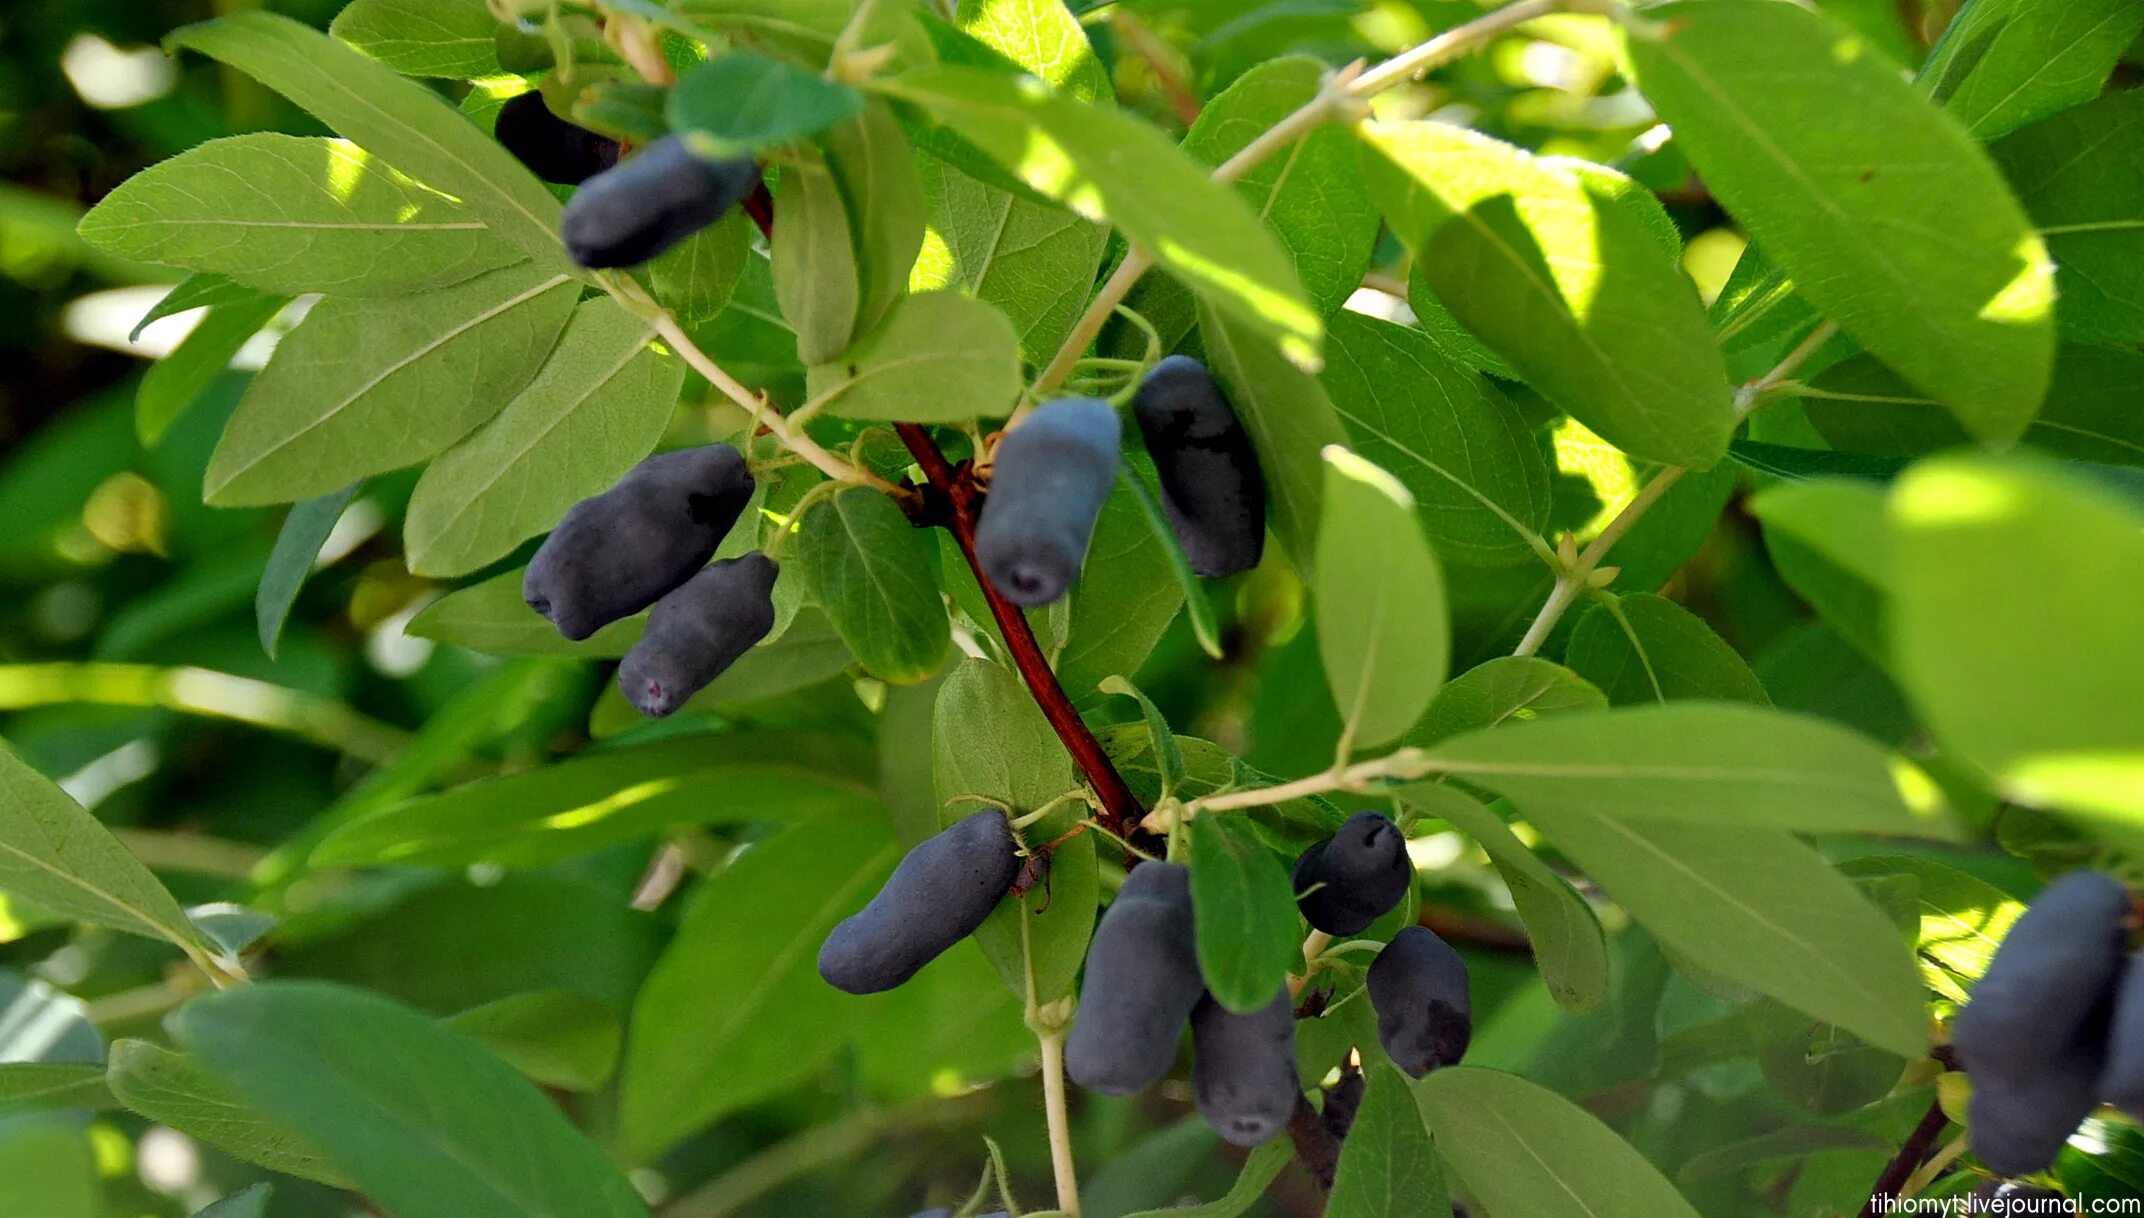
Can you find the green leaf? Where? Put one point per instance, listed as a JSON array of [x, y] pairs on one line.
[[815, 269], [1755, 906], [597, 406], [1861, 406], [492, 618], [2004, 63], [55, 854], [172, 1089], [2013, 627], [939, 358], [2081, 176], [297, 548], [1388, 1168], [1508, 688], [1568, 944], [1570, 288], [1041, 36], [1445, 332], [1248, 930], [740, 103], [556, 1037], [288, 214], [252, 1203], [735, 1011], [1290, 420], [51, 1087], [1167, 752], [1134, 581], [1644, 648], [1962, 918], [874, 169], [1793, 1144], [1838, 169], [1478, 477], [1309, 192], [173, 384], [1566, 933], [1694, 763], [1035, 262], [425, 1121], [545, 815], [401, 122], [454, 39], [1800, 464], [1259, 1171], [199, 290], [1384, 631], [1526, 1152], [991, 742], [697, 279], [362, 387], [1107, 165], [1827, 540], [875, 575]]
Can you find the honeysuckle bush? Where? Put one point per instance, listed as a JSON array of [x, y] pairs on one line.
[[1701, 448]]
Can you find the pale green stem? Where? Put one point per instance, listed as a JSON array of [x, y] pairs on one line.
[[199, 691], [1053, 1103], [1576, 579]]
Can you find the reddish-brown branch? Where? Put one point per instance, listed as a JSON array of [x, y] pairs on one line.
[[760, 206], [957, 504], [1910, 1157], [1317, 1146]]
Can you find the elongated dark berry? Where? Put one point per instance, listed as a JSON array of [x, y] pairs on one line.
[[1142, 981], [2020, 1122], [553, 149], [697, 632], [629, 214], [1243, 1068], [940, 893], [1211, 486], [2033, 1035], [615, 554], [1052, 474], [1350, 879], [2121, 1083], [1425, 1012]]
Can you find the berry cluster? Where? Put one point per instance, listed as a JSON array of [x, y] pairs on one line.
[[647, 541], [2056, 1024], [1142, 983]]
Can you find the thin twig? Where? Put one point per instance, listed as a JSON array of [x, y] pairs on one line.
[[1053, 1106], [784, 431], [1315, 1144], [1908, 1160], [1403, 764], [1182, 99], [1574, 580]]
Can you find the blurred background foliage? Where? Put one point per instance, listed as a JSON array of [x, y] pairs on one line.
[[131, 671]]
